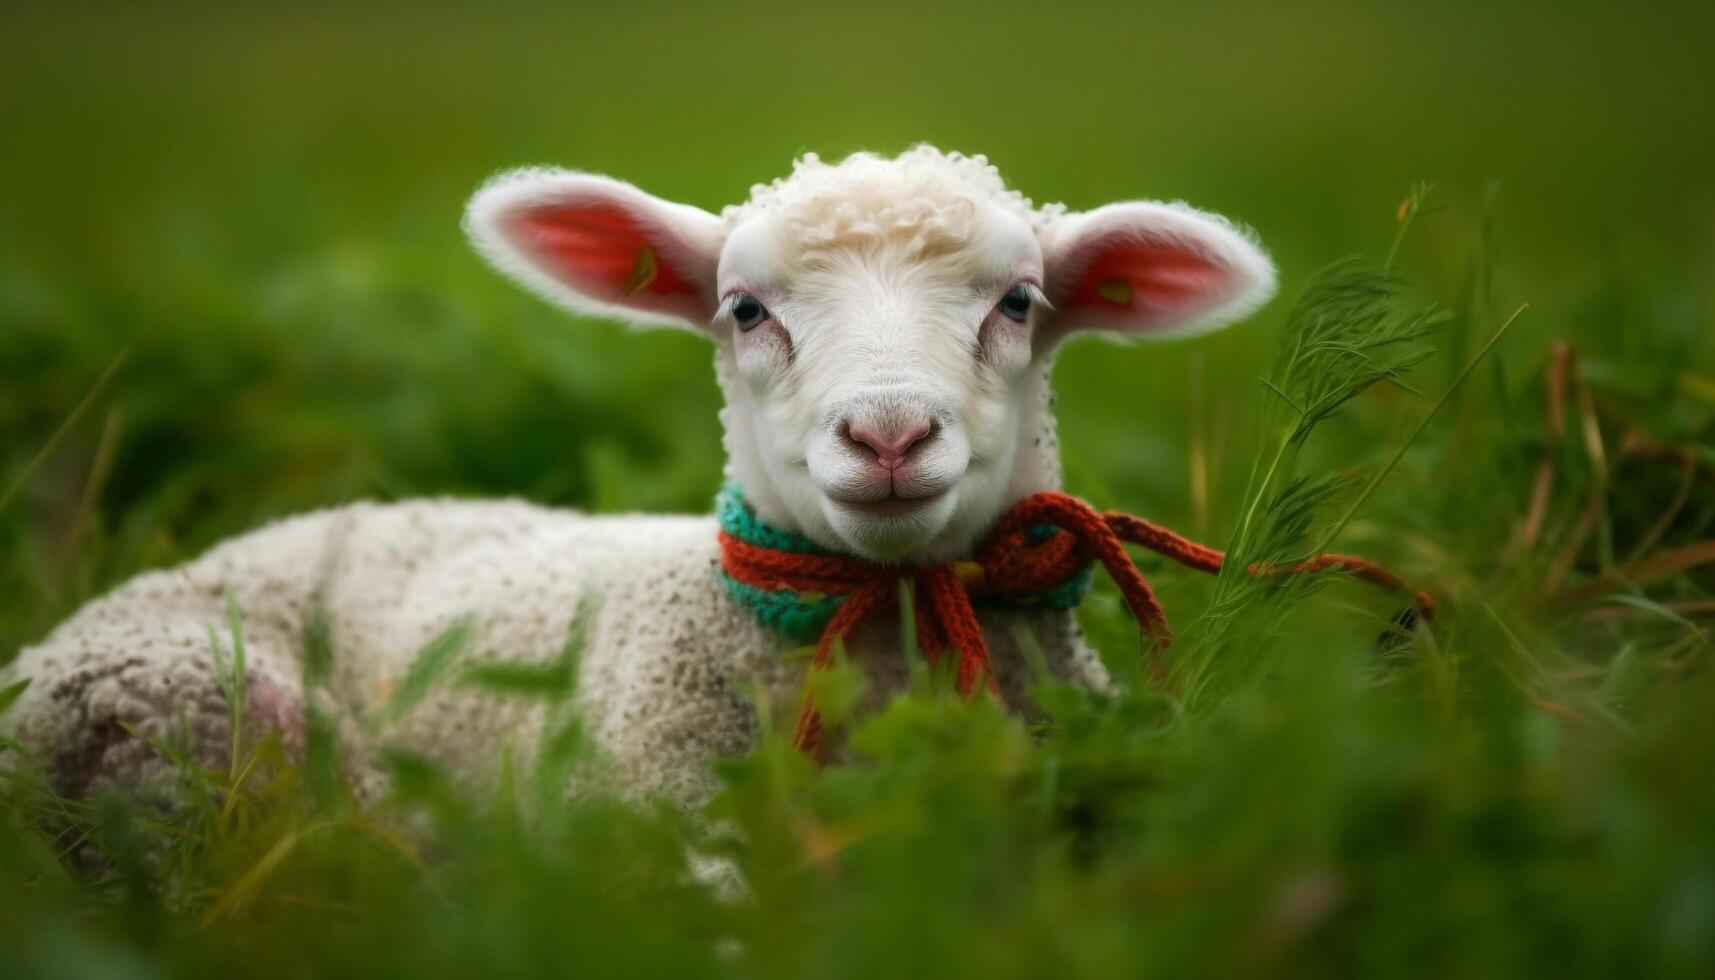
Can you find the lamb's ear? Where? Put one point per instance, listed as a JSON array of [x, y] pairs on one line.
[[599, 246], [1149, 269]]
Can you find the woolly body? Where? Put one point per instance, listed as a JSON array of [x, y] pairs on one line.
[[668, 679], [887, 395]]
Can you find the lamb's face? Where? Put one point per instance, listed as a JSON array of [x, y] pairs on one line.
[[884, 325], [877, 369]]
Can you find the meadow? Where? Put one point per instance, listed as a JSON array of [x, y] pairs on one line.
[[233, 287]]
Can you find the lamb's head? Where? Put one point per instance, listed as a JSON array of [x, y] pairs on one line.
[[885, 328]]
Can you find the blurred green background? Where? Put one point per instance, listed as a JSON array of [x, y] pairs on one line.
[[261, 204]]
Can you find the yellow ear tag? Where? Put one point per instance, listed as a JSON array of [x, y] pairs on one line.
[[643, 273], [1115, 291]]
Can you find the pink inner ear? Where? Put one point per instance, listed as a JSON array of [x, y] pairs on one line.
[[601, 249], [1146, 283]]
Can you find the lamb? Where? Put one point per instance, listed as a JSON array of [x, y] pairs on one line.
[[884, 335]]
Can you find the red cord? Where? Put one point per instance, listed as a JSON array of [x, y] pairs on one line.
[[1006, 566]]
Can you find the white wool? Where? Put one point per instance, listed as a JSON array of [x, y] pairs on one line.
[[924, 199], [883, 280], [669, 679]]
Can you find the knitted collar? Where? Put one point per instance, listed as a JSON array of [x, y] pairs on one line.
[[802, 615], [1041, 554]]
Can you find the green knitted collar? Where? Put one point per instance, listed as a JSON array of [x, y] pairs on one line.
[[801, 616]]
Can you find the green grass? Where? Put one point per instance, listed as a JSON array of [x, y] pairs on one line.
[[245, 221]]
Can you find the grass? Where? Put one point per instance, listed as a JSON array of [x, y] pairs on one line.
[[231, 288]]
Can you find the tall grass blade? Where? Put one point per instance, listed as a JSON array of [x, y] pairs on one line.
[[11, 693], [65, 427], [1399, 453], [1354, 326], [427, 668]]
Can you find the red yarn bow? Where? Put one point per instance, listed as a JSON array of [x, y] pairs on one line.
[[1006, 566]]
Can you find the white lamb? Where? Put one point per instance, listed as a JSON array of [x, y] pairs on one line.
[[884, 332]]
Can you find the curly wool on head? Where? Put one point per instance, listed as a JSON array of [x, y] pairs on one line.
[[923, 200]]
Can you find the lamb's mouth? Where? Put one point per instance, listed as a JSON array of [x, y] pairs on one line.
[[891, 506]]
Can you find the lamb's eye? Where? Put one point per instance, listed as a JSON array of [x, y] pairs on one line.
[[748, 312], [1016, 303]]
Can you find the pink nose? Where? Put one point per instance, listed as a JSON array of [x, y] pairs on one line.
[[890, 444]]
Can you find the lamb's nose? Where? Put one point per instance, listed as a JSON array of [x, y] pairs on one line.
[[890, 444]]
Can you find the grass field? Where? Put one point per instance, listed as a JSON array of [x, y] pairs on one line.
[[250, 215]]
